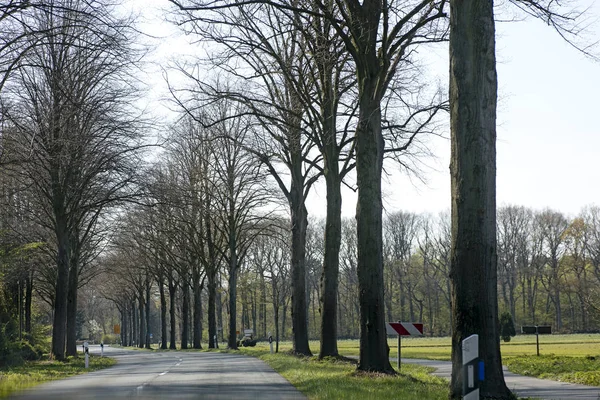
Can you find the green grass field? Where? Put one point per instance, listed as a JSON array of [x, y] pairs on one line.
[[13, 379], [335, 379], [567, 358]]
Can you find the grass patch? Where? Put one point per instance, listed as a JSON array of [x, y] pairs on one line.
[[32, 373], [563, 358], [337, 379], [583, 370]]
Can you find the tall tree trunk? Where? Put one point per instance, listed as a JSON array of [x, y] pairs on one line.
[[197, 339], [212, 298], [331, 264], [284, 318], [163, 313], [219, 306], [72, 295], [28, 297], [232, 340], [59, 324], [185, 311], [72, 309], [299, 305], [473, 273], [141, 319], [369, 162], [134, 323], [147, 305], [173, 321]]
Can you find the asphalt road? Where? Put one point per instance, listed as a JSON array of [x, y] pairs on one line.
[[523, 386], [170, 375]]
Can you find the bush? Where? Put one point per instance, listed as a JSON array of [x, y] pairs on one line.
[[507, 327], [26, 351], [110, 339]]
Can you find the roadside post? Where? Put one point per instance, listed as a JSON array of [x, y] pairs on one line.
[[86, 348], [470, 355], [216, 342], [403, 329], [538, 330], [271, 342], [101, 349]]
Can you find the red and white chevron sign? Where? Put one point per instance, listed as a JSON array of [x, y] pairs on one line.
[[404, 328]]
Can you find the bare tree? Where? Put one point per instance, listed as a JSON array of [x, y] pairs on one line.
[[70, 99]]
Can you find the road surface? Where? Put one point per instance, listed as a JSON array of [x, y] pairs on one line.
[[170, 375]]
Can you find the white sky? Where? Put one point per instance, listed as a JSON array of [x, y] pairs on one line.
[[548, 134]]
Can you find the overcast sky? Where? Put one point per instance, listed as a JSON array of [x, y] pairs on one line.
[[548, 131]]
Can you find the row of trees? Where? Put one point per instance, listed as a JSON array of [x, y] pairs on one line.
[[416, 268], [71, 146], [300, 90]]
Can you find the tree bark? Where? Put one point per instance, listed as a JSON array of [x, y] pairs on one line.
[[163, 314], [232, 340], [173, 321], [331, 261], [147, 305], [369, 162], [299, 306], [473, 93], [197, 339], [72, 309], [185, 311], [140, 320], [212, 298], [28, 297], [59, 324]]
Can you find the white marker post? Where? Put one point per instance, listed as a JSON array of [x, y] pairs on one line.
[[101, 349], [86, 348], [271, 342], [470, 353]]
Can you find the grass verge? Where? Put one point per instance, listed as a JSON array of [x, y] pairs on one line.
[[336, 379], [32, 373], [583, 370]]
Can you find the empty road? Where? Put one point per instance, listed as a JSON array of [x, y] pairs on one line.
[[170, 375]]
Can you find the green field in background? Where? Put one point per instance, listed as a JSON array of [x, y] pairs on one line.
[[438, 348]]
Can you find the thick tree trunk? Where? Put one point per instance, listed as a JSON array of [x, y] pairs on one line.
[[72, 309], [163, 314], [59, 324], [147, 321], [212, 298], [141, 319], [185, 311], [219, 306], [72, 295], [299, 305], [331, 263], [473, 92], [232, 340], [197, 339], [173, 321], [28, 297], [369, 162], [134, 323]]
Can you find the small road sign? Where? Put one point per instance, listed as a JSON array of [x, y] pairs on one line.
[[404, 328], [537, 330]]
